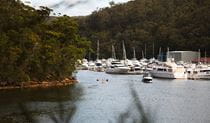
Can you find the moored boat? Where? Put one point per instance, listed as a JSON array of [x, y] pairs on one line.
[[169, 70], [147, 78], [199, 72], [117, 68]]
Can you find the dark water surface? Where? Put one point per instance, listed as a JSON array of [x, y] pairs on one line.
[[94, 100]]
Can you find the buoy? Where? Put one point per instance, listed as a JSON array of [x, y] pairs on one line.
[[107, 80], [97, 79]]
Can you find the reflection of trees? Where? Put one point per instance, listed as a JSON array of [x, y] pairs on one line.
[[63, 112], [65, 99], [63, 117]]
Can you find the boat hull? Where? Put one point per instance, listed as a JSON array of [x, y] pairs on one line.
[[147, 79], [117, 70], [99, 69], [168, 75], [199, 76]]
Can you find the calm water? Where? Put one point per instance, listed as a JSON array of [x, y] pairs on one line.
[[93, 100]]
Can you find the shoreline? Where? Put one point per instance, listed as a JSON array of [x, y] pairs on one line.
[[43, 84]]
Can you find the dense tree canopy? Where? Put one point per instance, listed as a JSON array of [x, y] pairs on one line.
[[35, 46], [177, 24]]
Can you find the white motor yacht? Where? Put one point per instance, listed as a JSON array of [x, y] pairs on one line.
[[98, 66], [199, 72], [169, 70]]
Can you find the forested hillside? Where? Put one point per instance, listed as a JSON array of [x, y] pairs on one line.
[[35, 47], [177, 24]]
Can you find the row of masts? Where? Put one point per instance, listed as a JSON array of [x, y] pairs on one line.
[[124, 52], [143, 52]]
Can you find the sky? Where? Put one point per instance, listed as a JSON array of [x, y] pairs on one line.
[[73, 7]]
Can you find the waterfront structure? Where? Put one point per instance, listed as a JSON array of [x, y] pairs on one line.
[[204, 60], [185, 56]]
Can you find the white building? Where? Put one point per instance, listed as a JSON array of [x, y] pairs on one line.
[[186, 56]]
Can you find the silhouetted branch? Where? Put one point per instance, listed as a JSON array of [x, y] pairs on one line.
[[143, 117]]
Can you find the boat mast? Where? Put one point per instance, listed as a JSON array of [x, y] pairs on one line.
[[97, 50], [199, 56], [205, 58], [142, 54], [167, 56], [113, 52], [159, 55], [134, 53], [145, 50], [124, 52], [153, 50]]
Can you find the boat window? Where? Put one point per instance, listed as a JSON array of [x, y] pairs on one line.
[[195, 72], [161, 69], [98, 64], [169, 70], [205, 71]]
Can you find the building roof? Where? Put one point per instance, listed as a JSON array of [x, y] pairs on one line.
[[182, 51]]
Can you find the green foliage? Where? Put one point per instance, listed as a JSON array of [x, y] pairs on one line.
[[35, 46], [180, 25]]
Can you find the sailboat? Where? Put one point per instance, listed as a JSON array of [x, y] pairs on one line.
[[116, 66], [98, 63], [113, 52], [152, 60], [136, 67], [143, 60]]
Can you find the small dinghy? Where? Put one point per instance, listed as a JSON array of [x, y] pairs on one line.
[[147, 78]]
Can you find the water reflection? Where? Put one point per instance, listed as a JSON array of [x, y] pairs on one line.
[[58, 104]]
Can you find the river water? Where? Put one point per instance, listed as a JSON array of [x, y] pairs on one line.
[[106, 98]]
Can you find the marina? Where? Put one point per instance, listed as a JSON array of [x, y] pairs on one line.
[[168, 69], [177, 64]]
